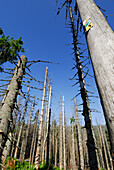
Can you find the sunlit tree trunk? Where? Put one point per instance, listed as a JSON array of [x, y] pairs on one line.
[[100, 40], [64, 136], [21, 127], [48, 134], [73, 147], [24, 143], [81, 158], [104, 148], [10, 99], [86, 110], [60, 143], [100, 148], [7, 147], [38, 151], [56, 146], [33, 143]]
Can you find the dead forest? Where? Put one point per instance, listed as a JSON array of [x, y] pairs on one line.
[[30, 135]]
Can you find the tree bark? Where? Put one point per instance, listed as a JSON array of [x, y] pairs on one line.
[[21, 127], [86, 110], [33, 138], [9, 100], [73, 148], [60, 143], [100, 40], [81, 158], [24, 143], [38, 152], [64, 136]]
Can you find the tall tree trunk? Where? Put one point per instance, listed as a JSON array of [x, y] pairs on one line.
[[86, 110], [64, 136], [100, 150], [104, 148], [10, 98], [24, 143], [81, 158], [33, 137], [48, 130], [10, 141], [60, 143], [108, 151], [38, 152], [48, 121], [45, 123], [21, 127], [56, 146], [102, 58], [73, 148], [7, 147]]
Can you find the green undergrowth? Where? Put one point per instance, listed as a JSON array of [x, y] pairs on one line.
[[14, 164]]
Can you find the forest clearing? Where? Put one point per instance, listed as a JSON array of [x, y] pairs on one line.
[[38, 129]]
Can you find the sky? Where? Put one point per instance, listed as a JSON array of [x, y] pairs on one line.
[[45, 35]]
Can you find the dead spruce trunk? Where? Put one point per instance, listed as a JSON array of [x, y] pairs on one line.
[[86, 110], [60, 143], [24, 143], [64, 136], [100, 40], [38, 152], [33, 143], [21, 127], [81, 157], [9, 100]]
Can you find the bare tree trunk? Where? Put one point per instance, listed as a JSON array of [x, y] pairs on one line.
[[9, 100], [38, 152], [86, 110], [102, 58], [45, 123], [110, 158], [48, 121], [81, 158], [85, 150], [64, 136], [56, 146], [60, 143], [73, 148], [7, 147], [24, 143], [48, 130], [105, 153], [21, 127], [10, 140], [100, 150], [33, 137]]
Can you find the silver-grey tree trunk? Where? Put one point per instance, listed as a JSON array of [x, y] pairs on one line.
[[38, 151], [60, 144], [100, 40], [9, 100], [24, 143], [64, 135], [79, 139]]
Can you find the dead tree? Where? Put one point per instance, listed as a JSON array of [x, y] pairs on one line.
[[33, 143], [47, 158], [64, 136], [24, 142], [102, 58], [60, 143], [10, 99], [81, 157], [38, 152], [86, 110]]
